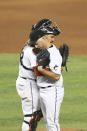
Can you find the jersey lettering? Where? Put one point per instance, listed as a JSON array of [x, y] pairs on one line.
[[21, 61], [55, 67]]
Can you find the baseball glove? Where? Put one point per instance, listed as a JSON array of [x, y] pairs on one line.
[[36, 50], [64, 51], [43, 58]]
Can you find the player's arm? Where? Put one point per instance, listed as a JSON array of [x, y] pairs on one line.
[[48, 73]]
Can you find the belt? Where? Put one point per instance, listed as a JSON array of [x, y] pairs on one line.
[[27, 78], [45, 87]]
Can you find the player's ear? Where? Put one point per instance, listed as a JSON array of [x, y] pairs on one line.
[[45, 37]]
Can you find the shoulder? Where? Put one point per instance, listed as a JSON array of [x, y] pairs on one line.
[[27, 50], [54, 53], [53, 50]]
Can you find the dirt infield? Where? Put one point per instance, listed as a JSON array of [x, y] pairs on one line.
[[16, 18]]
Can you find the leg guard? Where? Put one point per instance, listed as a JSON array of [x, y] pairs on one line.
[[34, 121], [25, 125], [31, 121]]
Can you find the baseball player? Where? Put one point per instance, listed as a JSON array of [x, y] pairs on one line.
[[26, 83], [49, 81], [27, 88]]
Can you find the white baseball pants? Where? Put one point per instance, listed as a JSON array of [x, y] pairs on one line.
[[29, 94], [51, 99]]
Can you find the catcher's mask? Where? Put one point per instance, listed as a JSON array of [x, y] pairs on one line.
[[43, 27]]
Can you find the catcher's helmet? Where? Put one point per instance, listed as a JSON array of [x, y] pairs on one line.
[[43, 22], [42, 28]]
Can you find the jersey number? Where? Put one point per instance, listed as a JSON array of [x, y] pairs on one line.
[[21, 61]]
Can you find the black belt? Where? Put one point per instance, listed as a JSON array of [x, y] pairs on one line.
[[45, 87], [28, 78]]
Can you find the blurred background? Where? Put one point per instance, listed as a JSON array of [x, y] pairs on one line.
[[16, 20], [17, 17]]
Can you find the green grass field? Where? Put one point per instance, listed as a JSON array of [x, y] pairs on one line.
[[74, 108]]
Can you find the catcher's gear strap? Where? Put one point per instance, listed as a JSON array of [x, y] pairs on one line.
[[26, 122], [34, 120], [25, 66], [28, 115]]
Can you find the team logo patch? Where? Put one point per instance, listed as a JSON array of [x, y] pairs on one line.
[[55, 67]]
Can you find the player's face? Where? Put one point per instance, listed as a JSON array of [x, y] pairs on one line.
[[42, 42], [50, 38]]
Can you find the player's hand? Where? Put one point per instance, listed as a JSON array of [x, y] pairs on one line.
[[39, 68], [61, 68]]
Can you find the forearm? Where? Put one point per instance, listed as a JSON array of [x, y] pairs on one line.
[[48, 73]]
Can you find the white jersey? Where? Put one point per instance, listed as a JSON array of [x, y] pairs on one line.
[[55, 66], [26, 83], [27, 62]]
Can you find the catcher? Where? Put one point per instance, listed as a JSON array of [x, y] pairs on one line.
[[49, 79], [26, 85]]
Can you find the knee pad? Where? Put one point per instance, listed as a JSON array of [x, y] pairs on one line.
[[31, 121]]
